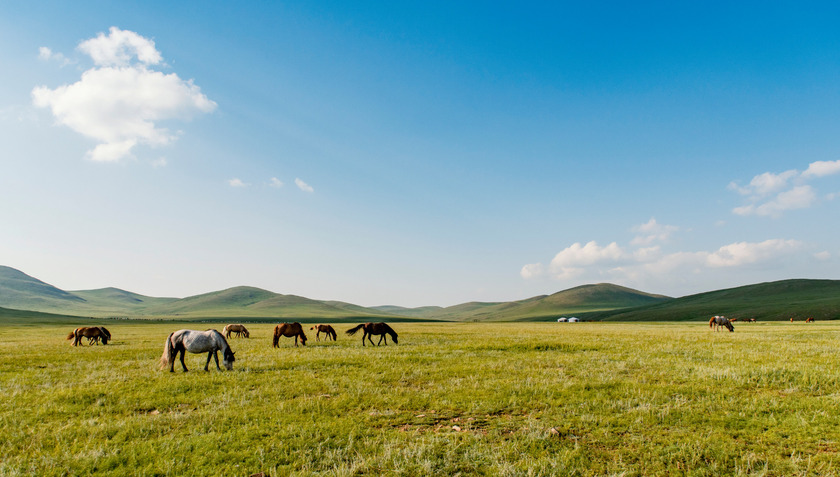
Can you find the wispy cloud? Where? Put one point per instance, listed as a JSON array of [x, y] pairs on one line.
[[46, 54], [633, 264], [236, 182], [275, 182], [304, 186], [771, 194], [652, 231], [120, 101]]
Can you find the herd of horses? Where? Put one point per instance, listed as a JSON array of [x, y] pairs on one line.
[[211, 341]]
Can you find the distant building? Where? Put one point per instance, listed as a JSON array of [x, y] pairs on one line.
[[574, 319], [562, 319]]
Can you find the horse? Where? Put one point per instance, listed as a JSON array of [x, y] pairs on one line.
[[810, 320], [718, 321], [238, 329], [210, 342], [326, 329], [105, 336], [93, 332], [288, 330], [374, 329]]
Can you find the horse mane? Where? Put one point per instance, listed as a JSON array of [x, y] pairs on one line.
[[389, 330]]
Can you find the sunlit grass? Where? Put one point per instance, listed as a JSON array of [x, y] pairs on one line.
[[498, 399]]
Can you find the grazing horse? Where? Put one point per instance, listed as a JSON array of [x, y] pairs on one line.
[[288, 330], [238, 329], [105, 336], [210, 342], [326, 329], [810, 320], [93, 332], [717, 321], [375, 329]]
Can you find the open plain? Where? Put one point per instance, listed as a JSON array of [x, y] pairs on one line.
[[449, 399]]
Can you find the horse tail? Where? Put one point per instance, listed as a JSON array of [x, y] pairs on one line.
[[276, 341], [353, 331], [166, 357]]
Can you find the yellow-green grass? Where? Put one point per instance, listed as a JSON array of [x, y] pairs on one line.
[[452, 398]]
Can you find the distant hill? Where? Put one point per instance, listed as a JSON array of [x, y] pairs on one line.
[[582, 299], [781, 300], [604, 301], [20, 291]]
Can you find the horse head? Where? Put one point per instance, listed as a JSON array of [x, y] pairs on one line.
[[228, 359]]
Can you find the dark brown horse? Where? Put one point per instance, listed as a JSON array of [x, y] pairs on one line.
[[326, 329], [288, 330], [809, 320], [105, 336], [93, 333], [375, 329]]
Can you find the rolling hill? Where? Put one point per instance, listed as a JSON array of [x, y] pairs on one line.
[[781, 300], [765, 301], [582, 299]]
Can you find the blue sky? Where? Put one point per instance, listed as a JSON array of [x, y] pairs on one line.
[[419, 153]]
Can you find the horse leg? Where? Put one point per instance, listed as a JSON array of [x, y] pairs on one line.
[[216, 357], [183, 352], [370, 338], [318, 335]]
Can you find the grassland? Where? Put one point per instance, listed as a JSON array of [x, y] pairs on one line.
[[450, 399]]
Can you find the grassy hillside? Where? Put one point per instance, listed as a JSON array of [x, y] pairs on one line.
[[250, 302], [19, 290], [119, 300], [23, 317], [582, 299], [780, 300]]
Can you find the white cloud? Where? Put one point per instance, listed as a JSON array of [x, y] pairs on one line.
[[772, 194], [571, 261], [822, 168], [304, 186], [119, 48], [800, 197], [652, 231], [159, 162], [119, 103], [275, 182], [532, 270], [47, 54], [592, 262], [743, 253], [235, 182], [823, 256], [765, 184]]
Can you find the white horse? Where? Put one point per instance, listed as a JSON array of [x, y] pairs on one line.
[[210, 342]]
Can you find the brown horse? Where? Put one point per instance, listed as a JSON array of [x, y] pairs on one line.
[[238, 329], [94, 333], [105, 336], [374, 329], [810, 320], [288, 330], [326, 329]]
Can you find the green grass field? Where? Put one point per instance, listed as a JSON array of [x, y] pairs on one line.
[[450, 399]]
